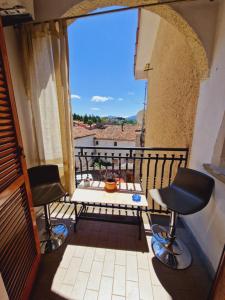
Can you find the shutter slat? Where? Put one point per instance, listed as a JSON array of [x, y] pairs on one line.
[[7, 165], [6, 171], [8, 158], [4, 108], [19, 247], [7, 145], [6, 128], [7, 140], [3, 89], [4, 115], [3, 96], [4, 102], [6, 152], [6, 134]]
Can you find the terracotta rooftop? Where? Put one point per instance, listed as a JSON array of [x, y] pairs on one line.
[[79, 132], [114, 132], [111, 132]]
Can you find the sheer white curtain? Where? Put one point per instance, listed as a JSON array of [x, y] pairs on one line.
[[46, 76]]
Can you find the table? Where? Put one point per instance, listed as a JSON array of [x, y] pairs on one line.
[[96, 196]]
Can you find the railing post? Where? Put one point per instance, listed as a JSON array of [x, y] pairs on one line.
[[160, 167]]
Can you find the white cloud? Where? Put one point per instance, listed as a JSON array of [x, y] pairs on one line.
[[95, 108], [131, 93], [120, 99], [75, 96], [101, 98]]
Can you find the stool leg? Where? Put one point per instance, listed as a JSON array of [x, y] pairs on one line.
[[56, 234], [170, 250], [47, 221], [172, 226]]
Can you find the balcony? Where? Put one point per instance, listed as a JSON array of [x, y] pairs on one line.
[[106, 260], [150, 167]]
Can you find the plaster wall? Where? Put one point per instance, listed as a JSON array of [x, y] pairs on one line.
[[28, 4], [147, 33], [173, 87], [86, 141], [209, 224], [110, 143], [51, 9], [202, 16]]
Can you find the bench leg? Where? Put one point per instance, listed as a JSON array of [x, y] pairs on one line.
[[139, 215], [76, 217]]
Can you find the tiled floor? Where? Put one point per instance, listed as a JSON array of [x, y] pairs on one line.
[[107, 261]]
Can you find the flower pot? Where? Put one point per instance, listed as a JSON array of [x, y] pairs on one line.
[[110, 185]]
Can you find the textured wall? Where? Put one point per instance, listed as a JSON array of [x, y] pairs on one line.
[[208, 225], [172, 92]]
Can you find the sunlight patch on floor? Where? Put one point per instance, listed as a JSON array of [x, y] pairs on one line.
[[101, 273]]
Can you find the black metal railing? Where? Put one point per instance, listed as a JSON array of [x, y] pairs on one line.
[[150, 167]]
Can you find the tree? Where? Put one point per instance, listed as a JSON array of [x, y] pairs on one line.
[[85, 119], [89, 122]]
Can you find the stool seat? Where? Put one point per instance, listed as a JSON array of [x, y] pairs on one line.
[[46, 193], [46, 188], [189, 193], [176, 199]]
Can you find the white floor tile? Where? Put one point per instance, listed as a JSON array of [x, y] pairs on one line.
[[132, 291], [145, 286], [59, 275], [109, 263], [120, 258], [65, 291], [105, 291], [154, 277], [115, 297], [91, 295], [160, 293], [87, 260], [72, 271], [95, 276], [131, 268], [142, 259], [80, 286], [99, 254], [79, 251], [119, 283], [67, 256]]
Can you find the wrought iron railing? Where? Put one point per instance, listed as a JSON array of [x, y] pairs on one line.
[[151, 167]]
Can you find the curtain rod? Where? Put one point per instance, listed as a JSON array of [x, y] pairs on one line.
[[110, 11]]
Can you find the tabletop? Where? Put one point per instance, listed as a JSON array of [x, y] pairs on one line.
[[96, 194]]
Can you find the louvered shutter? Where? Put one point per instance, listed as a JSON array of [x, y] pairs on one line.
[[19, 245]]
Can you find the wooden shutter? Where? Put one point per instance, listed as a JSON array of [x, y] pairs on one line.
[[19, 244]]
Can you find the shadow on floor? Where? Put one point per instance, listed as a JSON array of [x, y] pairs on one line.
[[192, 283]]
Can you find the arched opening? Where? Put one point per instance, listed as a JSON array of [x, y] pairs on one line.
[[167, 13]]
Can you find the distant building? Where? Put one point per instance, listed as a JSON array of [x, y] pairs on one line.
[[114, 136]]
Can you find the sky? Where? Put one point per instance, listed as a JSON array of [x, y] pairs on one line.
[[101, 55]]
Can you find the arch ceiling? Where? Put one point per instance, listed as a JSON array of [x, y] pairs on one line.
[[165, 12]]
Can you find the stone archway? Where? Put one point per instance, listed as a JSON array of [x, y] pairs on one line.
[[165, 12]]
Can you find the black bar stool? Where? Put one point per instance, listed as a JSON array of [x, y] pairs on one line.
[[47, 188], [189, 193]]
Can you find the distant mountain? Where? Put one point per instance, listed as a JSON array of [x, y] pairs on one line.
[[132, 118]]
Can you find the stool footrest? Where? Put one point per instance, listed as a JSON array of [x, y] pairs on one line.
[[58, 234], [173, 253], [160, 233]]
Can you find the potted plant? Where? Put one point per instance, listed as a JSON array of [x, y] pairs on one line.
[[110, 182]]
